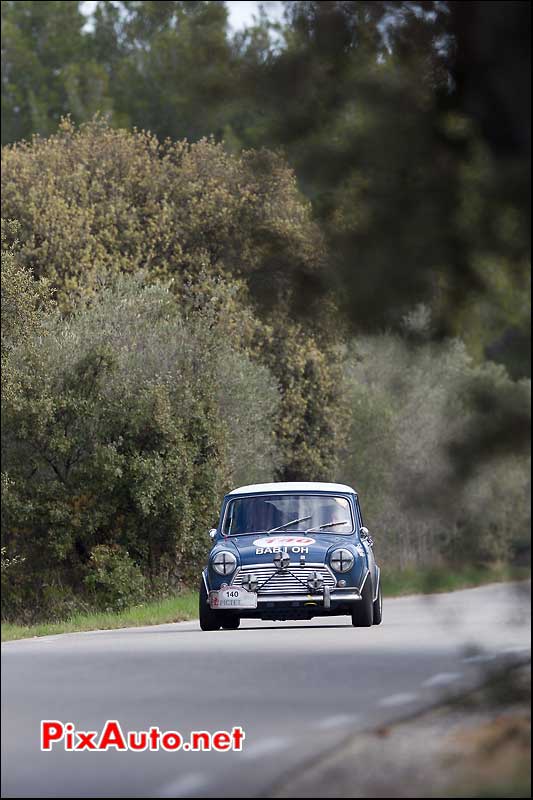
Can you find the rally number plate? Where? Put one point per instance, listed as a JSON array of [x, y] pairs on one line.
[[233, 598]]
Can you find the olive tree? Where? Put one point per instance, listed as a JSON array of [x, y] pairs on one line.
[[118, 442]]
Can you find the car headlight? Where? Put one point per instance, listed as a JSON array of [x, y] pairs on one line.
[[342, 560], [224, 562]]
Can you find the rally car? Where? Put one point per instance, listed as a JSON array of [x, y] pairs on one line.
[[290, 551]]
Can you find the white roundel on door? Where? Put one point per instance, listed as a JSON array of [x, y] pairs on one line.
[[284, 541]]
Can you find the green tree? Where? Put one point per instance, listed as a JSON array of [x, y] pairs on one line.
[[170, 65], [412, 407], [47, 70], [117, 445], [417, 167], [94, 200], [24, 300], [222, 228]]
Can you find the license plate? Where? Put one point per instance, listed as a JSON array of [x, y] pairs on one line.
[[233, 598]]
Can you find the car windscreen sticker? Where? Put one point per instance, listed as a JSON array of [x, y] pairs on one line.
[[274, 544], [283, 541]]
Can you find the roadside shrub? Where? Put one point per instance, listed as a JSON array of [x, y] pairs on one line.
[[113, 580], [412, 405], [24, 301], [122, 434], [311, 415], [226, 232], [95, 200], [10, 565]]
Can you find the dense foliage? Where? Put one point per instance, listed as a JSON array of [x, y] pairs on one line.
[[405, 133], [118, 441], [411, 408], [98, 202], [136, 405], [300, 273]]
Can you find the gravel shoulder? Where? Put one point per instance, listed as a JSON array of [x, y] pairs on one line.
[[475, 746]]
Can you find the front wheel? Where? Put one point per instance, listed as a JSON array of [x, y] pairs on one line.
[[378, 607], [231, 623], [363, 611], [209, 620]]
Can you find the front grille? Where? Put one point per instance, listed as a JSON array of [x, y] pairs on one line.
[[290, 581]]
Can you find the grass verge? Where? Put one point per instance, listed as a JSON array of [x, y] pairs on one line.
[[445, 579], [185, 606], [172, 609]]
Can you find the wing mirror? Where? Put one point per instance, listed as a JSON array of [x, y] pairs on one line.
[[212, 533], [364, 533]]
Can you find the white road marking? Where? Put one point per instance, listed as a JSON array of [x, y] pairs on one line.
[[192, 782], [516, 650], [265, 746], [42, 639], [337, 721], [508, 651], [442, 678], [33, 640], [397, 699], [479, 659]]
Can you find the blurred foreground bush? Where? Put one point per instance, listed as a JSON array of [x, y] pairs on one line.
[[412, 405]]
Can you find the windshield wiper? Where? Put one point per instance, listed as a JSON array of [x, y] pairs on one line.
[[328, 525], [286, 525]]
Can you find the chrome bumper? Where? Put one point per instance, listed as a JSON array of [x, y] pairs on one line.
[[348, 595]]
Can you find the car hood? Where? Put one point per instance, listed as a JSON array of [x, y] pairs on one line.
[[260, 548]]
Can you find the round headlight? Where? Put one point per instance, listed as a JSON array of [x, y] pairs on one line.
[[224, 562], [341, 560]]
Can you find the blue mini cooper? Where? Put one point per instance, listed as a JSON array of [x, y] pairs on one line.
[[290, 551]]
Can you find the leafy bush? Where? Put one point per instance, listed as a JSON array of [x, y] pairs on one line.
[[122, 432], [412, 406], [311, 413], [223, 231], [173, 368], [113, 579], [94, 200], [24, 300]]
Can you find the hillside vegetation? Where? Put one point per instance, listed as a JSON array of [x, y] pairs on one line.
[[316, 266], [142, 379]]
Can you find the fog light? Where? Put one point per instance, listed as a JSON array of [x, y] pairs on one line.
[[250, 583], [282, 561], [315, 582]]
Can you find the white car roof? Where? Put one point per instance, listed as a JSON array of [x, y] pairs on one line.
[[299, 486]]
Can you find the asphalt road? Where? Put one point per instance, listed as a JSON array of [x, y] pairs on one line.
[[297, 689]]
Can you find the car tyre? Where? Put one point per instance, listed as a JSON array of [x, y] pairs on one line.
[[363, 610], [378, 607], [209, 620], [231, 623]]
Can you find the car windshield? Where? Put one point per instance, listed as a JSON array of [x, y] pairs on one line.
[[287, 513]]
